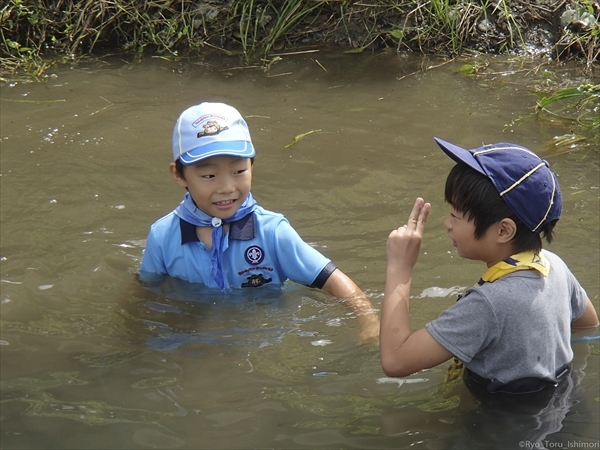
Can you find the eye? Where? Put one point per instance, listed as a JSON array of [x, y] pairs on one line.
[[207, 177], [239, 172]]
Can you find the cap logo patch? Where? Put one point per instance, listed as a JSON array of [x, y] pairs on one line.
[[206, 117], [211, 128]]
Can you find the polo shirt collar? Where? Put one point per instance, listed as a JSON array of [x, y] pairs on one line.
[[242, 230]]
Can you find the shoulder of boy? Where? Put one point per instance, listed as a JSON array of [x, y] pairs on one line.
[[165, 222], [266, 212]]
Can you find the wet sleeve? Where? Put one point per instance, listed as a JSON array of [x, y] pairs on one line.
[[323, 276], [578, 298], [152, 269], [467, 327], [297, 260]]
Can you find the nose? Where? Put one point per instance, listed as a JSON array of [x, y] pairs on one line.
[[225, 185], [448, 222]]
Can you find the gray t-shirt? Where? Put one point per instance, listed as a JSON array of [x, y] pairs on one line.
[[519, 326]]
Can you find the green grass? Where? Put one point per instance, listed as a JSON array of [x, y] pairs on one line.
[[574, 105], [35, 34]]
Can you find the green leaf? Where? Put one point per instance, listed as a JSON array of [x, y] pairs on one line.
[[397, 34], [33, 19], [301, 136], [560, 95], [467, 68]]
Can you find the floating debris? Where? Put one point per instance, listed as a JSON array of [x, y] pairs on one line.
[[401, 381]]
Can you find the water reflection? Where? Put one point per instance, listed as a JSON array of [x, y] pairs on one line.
[[90, 359]]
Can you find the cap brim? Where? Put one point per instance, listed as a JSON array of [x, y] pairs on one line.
[[239, 149], [459, 154]]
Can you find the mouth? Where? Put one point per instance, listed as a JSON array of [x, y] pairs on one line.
[[453, 241], [224, 203]]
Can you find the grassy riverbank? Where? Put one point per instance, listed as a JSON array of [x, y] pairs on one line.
[[38, 33]]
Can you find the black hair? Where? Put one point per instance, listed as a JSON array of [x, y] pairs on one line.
[[179, 167], [473, 194]]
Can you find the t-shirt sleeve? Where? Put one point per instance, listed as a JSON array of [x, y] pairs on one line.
[[467, 327], [299, 261], [152, 269], [578, 298]]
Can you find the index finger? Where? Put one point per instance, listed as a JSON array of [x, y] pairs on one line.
[[419, 213]]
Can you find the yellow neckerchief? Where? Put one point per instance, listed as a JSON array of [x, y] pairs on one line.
[[514, 263]]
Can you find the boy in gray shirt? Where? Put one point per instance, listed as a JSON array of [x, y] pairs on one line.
[[512, 330]]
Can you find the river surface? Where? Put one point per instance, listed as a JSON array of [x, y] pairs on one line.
[[91, 360]]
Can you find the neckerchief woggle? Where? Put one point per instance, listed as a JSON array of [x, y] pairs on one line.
[[188, 211], [520, 261]]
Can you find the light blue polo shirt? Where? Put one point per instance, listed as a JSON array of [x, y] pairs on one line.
[[262, 249]]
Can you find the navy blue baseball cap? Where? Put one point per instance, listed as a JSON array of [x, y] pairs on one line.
[[522, 179], [211, 129]]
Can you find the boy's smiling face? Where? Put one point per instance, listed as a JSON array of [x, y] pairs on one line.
[[218, 185]]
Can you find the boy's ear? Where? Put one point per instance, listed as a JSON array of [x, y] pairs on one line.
[[507, 229], [178, 179]]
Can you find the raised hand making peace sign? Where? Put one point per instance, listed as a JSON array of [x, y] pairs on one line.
[[402, 351], [403, 244]]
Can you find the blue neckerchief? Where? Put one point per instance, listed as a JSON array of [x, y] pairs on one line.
[[188, 211]]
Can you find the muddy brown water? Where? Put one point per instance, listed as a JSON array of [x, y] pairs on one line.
[[90, 362]]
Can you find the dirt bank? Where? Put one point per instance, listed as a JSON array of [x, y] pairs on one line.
[[35, 32], [558, 28]]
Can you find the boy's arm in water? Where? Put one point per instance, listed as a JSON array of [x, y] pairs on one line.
[[403, 351], [588, 319], [341, 286]]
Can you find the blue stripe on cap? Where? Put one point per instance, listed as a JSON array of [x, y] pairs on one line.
[[240, 149]]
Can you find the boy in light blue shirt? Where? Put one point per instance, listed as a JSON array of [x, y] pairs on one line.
[[218, 235]]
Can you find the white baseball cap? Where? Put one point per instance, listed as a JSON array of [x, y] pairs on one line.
[[211, 129]]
